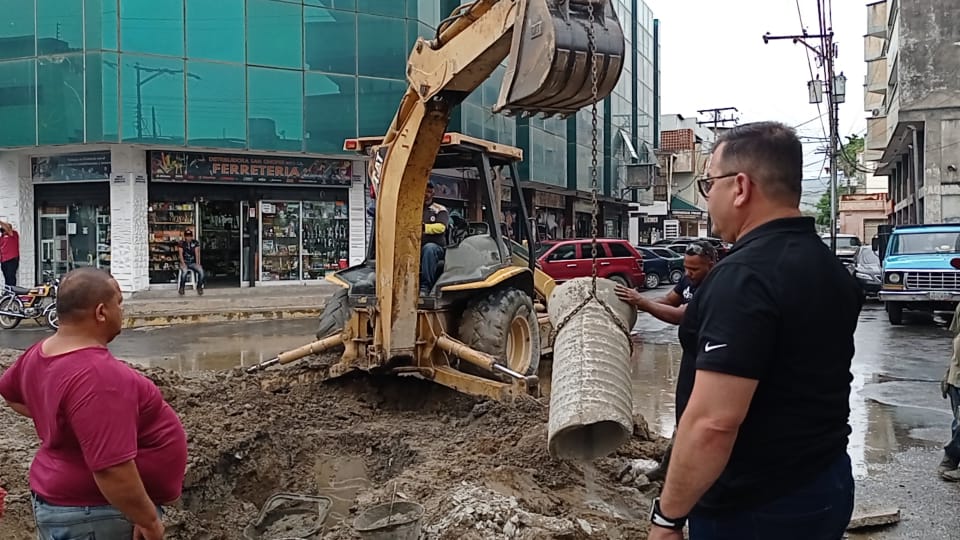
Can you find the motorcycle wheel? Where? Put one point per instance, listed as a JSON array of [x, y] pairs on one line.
[[13, 305], [53, 321]]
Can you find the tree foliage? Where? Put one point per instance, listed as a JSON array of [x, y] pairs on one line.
[[848, 164]]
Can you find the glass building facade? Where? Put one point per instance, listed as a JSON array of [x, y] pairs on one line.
[[278, 75], [237, 74]]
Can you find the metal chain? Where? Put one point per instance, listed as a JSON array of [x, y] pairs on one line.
[[594, 76], [594, 186]]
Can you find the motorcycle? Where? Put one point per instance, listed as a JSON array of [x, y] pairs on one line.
[[38, 303]]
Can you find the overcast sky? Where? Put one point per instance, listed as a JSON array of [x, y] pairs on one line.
[[713, 55]]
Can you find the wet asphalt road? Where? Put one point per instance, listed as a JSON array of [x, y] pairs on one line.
[[898, 417]]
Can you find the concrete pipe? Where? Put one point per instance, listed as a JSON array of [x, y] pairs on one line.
[[591, 404]]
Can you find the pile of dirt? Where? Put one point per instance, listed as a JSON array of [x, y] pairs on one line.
[[479, 468]]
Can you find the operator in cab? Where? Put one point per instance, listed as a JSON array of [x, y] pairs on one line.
[[433, 242], [698, 260]]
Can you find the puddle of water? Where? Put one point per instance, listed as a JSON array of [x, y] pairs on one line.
[[341, 479], [212, 347]]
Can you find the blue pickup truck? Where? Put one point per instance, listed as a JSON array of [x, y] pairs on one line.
[[921, 269]]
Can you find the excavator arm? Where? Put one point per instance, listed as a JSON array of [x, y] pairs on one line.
[[564, 55]]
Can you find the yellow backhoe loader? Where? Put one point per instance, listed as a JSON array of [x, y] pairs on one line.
[[482, 328]]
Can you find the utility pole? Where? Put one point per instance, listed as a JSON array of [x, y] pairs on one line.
[[716, 121], [835, 87]]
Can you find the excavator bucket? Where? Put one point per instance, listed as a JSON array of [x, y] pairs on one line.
[[550, 68]]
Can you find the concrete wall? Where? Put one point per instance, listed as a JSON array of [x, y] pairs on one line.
[[16, 207], [928, 60]]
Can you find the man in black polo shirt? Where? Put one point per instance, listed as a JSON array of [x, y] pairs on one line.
[[764, 383], [698, 260]]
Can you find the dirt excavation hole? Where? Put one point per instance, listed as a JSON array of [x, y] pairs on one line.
[[479, 469]]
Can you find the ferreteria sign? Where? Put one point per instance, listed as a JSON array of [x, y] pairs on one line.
[[240, 169]]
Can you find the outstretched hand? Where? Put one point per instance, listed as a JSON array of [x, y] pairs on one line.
[[630, 296]]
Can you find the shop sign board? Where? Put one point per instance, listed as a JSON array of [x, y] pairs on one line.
[[242, 169], [547, 199], [76, 167]]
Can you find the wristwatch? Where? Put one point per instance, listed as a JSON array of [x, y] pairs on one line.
[[660, 520]]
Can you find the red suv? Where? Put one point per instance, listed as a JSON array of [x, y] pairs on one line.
[[617, 260]]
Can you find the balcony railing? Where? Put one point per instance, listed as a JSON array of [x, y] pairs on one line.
[[876, 133], [876, 80], [873, 47], [877, 19]]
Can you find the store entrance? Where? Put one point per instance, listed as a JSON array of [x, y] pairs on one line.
[[219, 237]]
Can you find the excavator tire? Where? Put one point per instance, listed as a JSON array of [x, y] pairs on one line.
[[504, 325], [336, 313]]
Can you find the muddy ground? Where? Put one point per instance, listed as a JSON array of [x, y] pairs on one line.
[[479, 468]]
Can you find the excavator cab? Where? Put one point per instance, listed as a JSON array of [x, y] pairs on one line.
[[483, 327], [488, 295]]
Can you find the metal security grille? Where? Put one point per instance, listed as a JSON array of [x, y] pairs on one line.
[[934, 281]]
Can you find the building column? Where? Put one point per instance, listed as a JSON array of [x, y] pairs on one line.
[[129, 251], [357, 208], [16, 207]]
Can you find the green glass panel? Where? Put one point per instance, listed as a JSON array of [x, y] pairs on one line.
[[101, 18], [215, 30], [18, 111], [379, 99], [275, 109], [152, 26], [330, 40], [60, 99], [274, 34], [59, 26], [381, 46], [330, 112], [17, 36], [390, 8], [216, 105], [426, 11], [348, 5], [103, 113], [152, 90]]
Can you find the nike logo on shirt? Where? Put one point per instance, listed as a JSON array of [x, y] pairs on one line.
[[708, 347]]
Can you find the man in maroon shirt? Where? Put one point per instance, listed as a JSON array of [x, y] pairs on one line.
[[9, 253], [111, 449]]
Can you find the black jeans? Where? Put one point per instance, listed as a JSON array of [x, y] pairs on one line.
[[819, 510], [10, 271]]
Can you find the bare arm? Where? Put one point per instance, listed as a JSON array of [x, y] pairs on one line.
[[665, 312], [123, 489], [196, 254], [19, 408], [671, 299], [180, 255], [705, 437]]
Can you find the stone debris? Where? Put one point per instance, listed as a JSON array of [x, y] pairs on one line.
[[497, 517], [874, 518]]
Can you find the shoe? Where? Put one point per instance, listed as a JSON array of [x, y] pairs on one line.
[[948, 464], [180, 291], [951, 476], [424, 292], [200, 291]]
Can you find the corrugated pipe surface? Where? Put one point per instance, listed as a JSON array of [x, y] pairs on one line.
[[591, 404]]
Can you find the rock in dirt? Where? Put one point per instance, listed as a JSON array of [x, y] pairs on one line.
[[480, 469], [874, 518]]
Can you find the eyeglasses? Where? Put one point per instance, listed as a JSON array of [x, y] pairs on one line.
[[700, 250], [706, 184]]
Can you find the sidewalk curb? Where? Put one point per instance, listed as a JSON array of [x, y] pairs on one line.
[[147, 319]]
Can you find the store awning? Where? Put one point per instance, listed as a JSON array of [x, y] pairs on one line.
[[682, 207]]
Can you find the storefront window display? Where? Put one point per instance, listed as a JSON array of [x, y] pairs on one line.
[[73, 236], [326, 230], [167, 222], [280, 237]]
